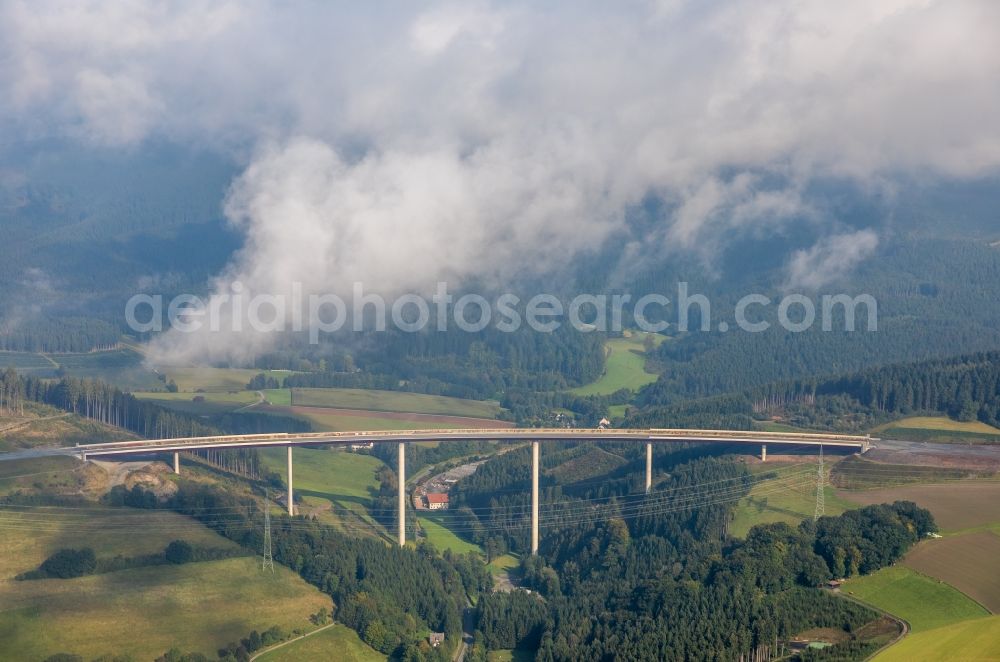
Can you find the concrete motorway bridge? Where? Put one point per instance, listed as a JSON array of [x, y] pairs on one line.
[[534, 435]]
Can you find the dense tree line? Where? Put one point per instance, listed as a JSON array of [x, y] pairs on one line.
[[262, 381], [110, 405], [59, 335], [724, 412], [479, 366], [532, 408], [69, 563], [966, 388], [12, 393]]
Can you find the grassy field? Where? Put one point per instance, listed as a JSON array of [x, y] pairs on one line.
[[624, 368], [978, 639], [144, 612], [344, 420], [392, 401], [217, 379], [617, 411], [121, 367], [940, 423], [26, 362], [198, 606], [333, 482], [58, 474], [510, 656], [124, 368], [789, 497], [939, 429], [925, 603], [281, 397], [857, 473], [40, 466], [31, 537], [950, 503], [438, 534], [505, 563], [210, 403], [969, 562], [337, 642]]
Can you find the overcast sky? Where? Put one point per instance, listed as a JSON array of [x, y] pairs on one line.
[[371, 131]]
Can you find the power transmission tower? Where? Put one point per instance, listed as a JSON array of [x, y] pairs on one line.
[[268, 559], [820, 496]]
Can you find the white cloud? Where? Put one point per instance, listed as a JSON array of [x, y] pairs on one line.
[[488, 138], [829, 259]]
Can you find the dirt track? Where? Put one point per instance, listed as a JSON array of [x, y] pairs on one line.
[[983, 457]]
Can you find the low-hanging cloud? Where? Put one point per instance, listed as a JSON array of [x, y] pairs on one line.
[[829, 259], [406, 144]]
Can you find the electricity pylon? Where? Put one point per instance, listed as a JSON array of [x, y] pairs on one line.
[[820, 495], [268, 559]]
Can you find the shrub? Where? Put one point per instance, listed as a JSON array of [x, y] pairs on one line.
[[179, 551], [67, 563]]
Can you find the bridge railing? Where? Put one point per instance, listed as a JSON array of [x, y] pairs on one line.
[[649, 434]]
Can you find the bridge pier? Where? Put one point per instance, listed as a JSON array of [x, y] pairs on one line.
[[177, 462], [402, 494], [291, 495], [763, 452], [649, 466], [534, 498]]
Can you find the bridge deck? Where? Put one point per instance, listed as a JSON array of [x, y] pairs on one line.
[[500, 434]]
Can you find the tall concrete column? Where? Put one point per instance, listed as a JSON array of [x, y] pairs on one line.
[[177, 462], [291, 494], [763, 452], [534, 497], [649, 466], [402, 494]]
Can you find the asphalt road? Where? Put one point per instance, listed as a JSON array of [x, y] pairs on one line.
[[980, 451], [468, 627], [30, 453]]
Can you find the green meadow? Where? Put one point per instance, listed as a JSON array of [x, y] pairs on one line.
[[923, 602], [625, 366]]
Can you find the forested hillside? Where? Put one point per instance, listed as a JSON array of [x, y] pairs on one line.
[[640, 579], [966, 388], [935, 296], [85, 229], [391, 596]]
